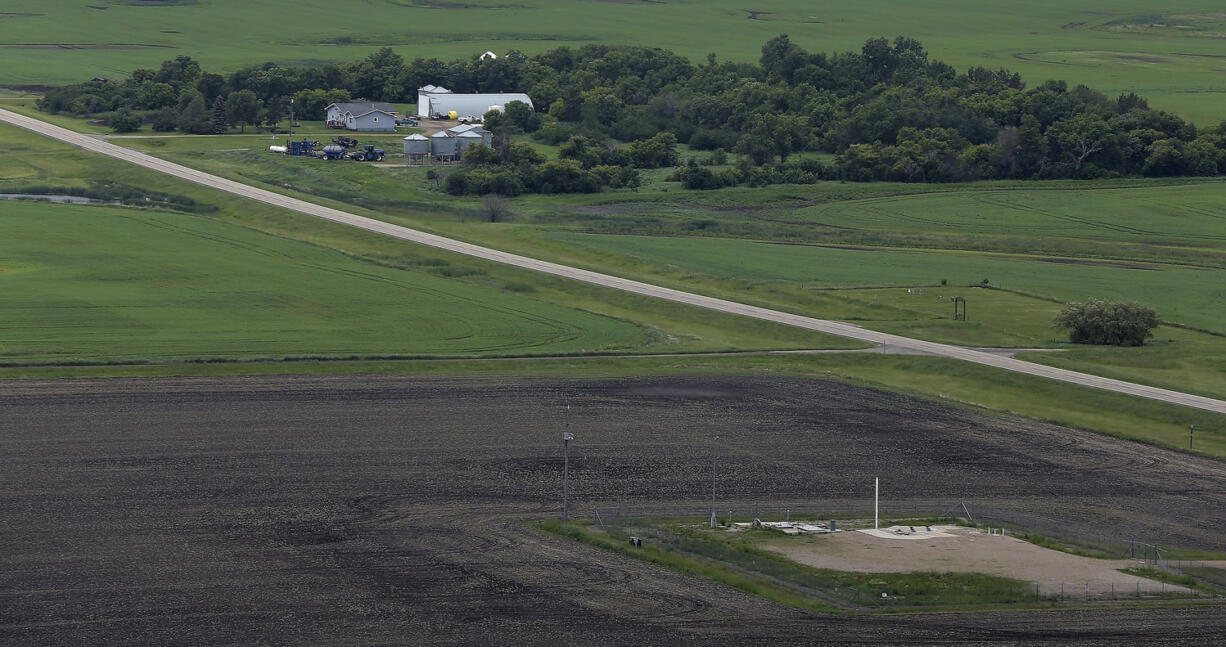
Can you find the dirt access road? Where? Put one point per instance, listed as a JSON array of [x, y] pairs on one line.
[[381, 510], [831, 327]]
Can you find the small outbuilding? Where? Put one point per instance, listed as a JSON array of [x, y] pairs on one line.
[[487, 137]]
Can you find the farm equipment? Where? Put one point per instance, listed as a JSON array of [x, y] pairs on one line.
[[347, 142], [370, 154], [332, 152], [302, 148]]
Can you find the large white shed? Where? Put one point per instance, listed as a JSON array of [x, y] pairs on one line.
[[433, 100]]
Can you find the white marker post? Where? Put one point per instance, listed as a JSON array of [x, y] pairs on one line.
[[876, 498]]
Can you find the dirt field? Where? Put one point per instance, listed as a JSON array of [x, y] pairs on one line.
[[967, 550], [391, 510]]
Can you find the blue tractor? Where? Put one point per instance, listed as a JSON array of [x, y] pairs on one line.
[[370, 154]]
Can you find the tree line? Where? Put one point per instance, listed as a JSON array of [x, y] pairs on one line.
[[885, 112]]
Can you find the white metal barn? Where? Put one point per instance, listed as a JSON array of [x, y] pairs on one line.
[[434, 100]]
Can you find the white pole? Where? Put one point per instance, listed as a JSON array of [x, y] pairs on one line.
[[876, 499], [713, 439]]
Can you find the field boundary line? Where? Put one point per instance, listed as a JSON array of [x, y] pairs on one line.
[[837, 328]]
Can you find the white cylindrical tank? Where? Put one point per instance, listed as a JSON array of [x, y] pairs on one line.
[[277, 149]]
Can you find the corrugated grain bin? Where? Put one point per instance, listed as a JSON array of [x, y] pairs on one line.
[[442, 144], [464, 140], [416, 144]]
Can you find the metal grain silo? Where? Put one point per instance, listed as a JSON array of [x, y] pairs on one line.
[[466, 139], [443, 144], [416, 145]]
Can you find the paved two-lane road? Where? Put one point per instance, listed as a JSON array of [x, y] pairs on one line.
[[841, 329]]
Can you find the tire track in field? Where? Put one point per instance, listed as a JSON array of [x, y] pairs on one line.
[[837, 328]]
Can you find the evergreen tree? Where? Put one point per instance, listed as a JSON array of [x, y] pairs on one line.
[[195, 118], [219, 123]]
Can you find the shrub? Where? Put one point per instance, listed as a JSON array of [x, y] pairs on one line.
[[123, 121], [1105, 323]]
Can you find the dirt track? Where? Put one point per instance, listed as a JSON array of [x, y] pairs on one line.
[[390, 511]]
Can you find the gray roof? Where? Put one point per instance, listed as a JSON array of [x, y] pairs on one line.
[[416, 136], [473, 104], [363, 108]]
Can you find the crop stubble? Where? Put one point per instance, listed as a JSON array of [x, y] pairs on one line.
[[378, 509]]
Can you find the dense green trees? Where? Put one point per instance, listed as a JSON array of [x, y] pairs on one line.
[[885, 111], [1105, 323]]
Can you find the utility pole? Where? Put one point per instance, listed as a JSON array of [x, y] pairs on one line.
[[566, 438], [1191, 428], [713, 439], [291, 117], [876, 499]]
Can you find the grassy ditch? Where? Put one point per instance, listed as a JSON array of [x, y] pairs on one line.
[[688, 564]]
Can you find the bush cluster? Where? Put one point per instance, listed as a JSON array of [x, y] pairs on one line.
[[1106, 323]]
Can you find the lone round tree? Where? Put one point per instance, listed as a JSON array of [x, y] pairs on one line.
[[1106, 323]]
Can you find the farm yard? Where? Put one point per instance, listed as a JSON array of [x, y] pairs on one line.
[[244, 509]]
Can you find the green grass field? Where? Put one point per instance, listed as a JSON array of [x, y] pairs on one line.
[[77, 289], [1171, 53], [248, 281], [1159, 243], [1182, 294]]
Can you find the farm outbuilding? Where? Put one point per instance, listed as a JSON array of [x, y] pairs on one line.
[[362, 116], [487, 137], [434, 100]]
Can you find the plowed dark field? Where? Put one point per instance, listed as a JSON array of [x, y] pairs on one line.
[[376, 510]]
